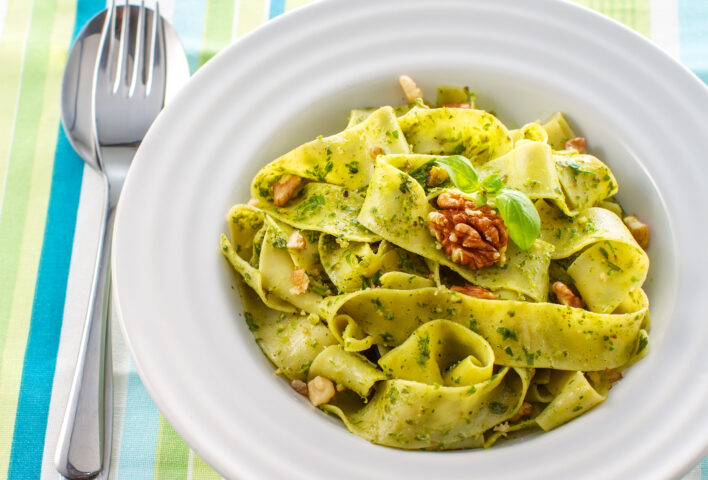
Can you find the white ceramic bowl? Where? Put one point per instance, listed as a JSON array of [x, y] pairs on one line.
[[295, 78]]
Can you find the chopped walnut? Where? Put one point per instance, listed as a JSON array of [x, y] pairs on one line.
[[253, 202], [471, 236], [375, 151], [300, 281], [578, 143], [410, 88], [296, 241], [613, 376], [299, 386], [475, 291], [502, 428], [640, 230], [456, 105], [566, 296], [524, 411], [284, 189], [436, 176], [320, 390]]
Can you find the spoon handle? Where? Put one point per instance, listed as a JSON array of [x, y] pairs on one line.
[[85, 435]]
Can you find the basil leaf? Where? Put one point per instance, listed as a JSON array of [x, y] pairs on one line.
[[520, 217], [493, 183], [479, 198], [461, 172]]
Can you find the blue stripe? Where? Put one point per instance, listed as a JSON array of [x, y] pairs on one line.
[[704, 469], [693, 35], [188, 21], [276, 8], [50, 292], [140, 430]]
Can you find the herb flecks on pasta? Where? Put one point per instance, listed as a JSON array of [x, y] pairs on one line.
[[439, 281]]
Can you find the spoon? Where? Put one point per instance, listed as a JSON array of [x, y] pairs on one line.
[[85, 437]]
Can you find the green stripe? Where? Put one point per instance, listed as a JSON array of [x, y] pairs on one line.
[[218, 20], [12, 50], [172, 455], [27, 191], [633, 13], [202, 471]]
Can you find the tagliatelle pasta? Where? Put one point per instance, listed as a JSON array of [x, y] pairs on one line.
[[439, 280]]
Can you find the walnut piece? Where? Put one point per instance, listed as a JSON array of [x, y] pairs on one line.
[[578, 143], [296, 241], [613, 376], [436, 176], [284, 189], [639, 229], [475, 291], [566, 296], [410, 88], [456, 105], [299, 386], [320, 390], [300, 281], [471, 236], [375, 151], [524, 411]]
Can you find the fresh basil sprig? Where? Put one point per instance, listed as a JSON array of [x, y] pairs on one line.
[[519, 215], [516, 209], [461, 172]]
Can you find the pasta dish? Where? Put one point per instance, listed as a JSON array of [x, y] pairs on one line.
[[437, 280]]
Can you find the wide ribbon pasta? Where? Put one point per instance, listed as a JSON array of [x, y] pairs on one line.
[[344, 280]]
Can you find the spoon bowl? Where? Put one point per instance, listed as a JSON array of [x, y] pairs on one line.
[[77, 85]]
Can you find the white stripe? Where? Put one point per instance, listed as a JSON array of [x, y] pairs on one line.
[[664, 25], [234, 24], [3, 11], [17, 107], [266, 10], [190, 465], [121, 368]]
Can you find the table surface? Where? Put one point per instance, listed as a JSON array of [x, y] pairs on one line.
[[49, 220]]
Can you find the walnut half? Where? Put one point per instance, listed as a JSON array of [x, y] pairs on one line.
[[475, 291], [284, 189], [566, 296], [471, 236]]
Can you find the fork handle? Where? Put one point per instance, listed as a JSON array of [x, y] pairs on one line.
[[85, 435]]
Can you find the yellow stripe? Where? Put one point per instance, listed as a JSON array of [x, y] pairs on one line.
[[18, 327], [290, 4], [202, 471], [12, 51], [251, 14]]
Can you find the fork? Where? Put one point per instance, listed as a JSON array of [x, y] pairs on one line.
[[128, 93]]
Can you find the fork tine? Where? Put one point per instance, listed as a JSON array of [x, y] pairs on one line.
[[122, 56], [157, 41], [139, 58]]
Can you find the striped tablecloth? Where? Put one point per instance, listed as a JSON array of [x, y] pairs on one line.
[[49, 221]]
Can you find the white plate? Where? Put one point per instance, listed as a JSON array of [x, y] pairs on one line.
[[295, 78]]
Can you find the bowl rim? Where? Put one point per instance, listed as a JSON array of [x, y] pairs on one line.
[[201, 80]]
